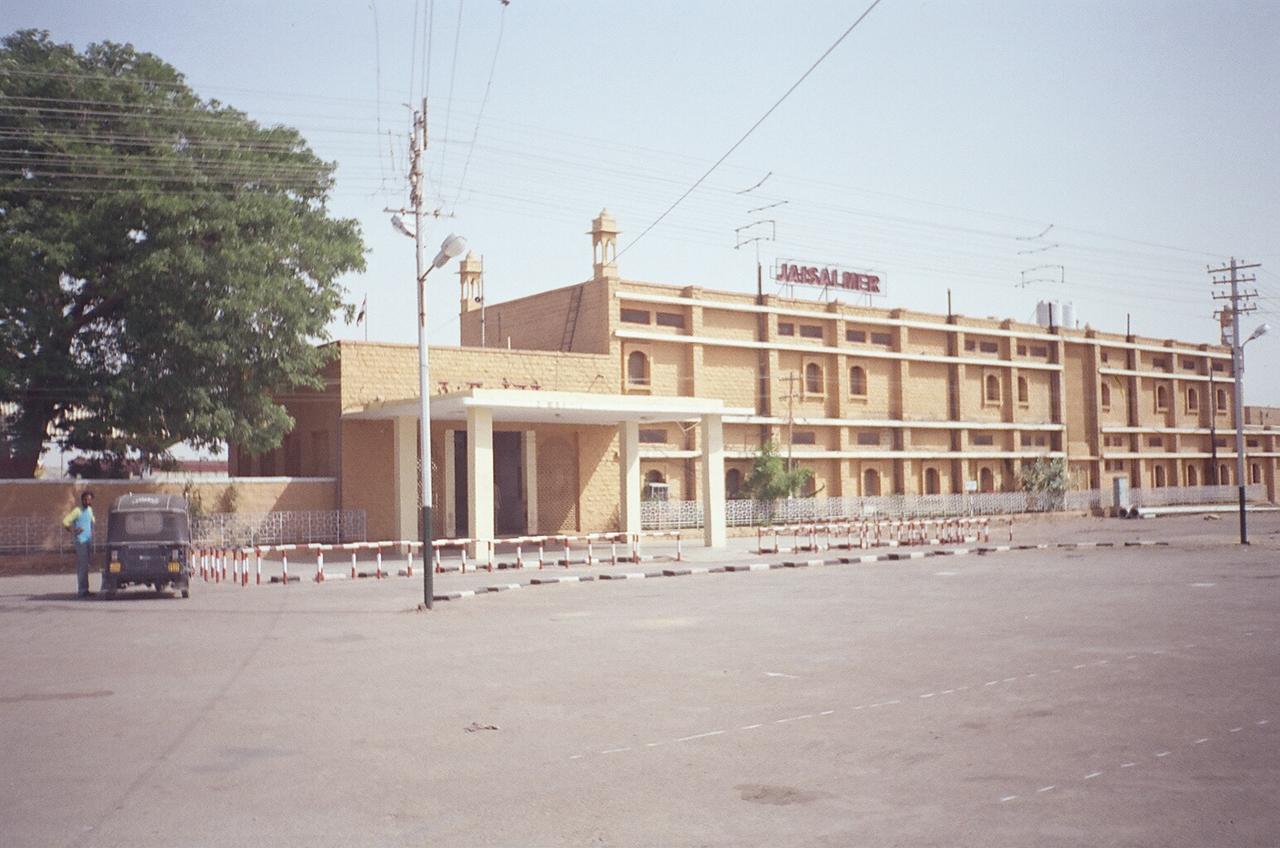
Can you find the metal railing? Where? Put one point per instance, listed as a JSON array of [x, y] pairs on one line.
[[675, 515], [44, 533]]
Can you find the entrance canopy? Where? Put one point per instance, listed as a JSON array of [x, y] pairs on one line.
[[543, 407], [482, 408]]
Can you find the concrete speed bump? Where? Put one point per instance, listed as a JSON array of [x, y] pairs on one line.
[[629, 575], [754, 566], [502, 587], [801, 563]]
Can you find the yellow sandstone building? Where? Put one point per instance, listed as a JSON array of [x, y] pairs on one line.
[[560, 410]]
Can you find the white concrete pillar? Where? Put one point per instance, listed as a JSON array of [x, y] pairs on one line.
[[713, 508], [450, 506], [405, 474], [629, 476], [529, 443], [480, 476]]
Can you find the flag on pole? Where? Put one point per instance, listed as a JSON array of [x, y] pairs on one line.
[[364, 305]]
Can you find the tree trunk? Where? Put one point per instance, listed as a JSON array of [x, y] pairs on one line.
[[20, 457]]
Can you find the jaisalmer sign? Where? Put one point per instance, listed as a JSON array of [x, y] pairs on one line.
[[812, 275]]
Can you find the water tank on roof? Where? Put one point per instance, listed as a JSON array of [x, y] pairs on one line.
[[1068, 315]]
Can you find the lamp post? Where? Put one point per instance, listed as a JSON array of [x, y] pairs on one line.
[[1237, 362], [450, 248]]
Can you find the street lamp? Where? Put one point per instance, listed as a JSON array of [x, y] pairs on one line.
[[450, 248], [1238, 363]]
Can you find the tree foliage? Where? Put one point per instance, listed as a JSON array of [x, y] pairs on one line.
[[1045, 482], [166, 263], [770, 478]]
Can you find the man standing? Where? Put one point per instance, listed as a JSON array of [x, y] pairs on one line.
[[79, 522]]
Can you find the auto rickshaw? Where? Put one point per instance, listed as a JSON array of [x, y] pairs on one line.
[[148, 544]]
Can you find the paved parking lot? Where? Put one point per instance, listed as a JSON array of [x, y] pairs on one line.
[[1106, 696]]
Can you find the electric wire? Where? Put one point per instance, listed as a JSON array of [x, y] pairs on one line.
[[752, 129], [497, 48]]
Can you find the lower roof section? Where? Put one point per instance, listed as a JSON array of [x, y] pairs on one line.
[[545, 407]]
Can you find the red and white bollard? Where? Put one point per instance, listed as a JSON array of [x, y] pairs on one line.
[[378, 571], [257, 552], [319, 578], [284, 564], [409, 569]]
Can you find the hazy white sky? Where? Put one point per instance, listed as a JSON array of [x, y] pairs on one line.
[[929, 147]]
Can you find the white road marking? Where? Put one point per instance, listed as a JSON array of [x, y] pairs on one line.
[[780, 674], [1010, 679], [860, 707], [792, 718], [1127, 765], [1132, 657], [653, 744], [1201, 740], [576, 757], [700, 736], [1262, 722], [928, 694], [1046, 788], [827, 712], [887, 703], [1081, 665], [1204, 586], [1163, 753], [615, 750], [1235, 730], [1094, 774], [1032, 674], [751, 726], [947, 691], [961, 688], [991, 683], [1055, 671], [1008, 798]]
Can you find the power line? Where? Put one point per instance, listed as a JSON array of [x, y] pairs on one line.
[[448, 113], [502, 17], [753, 127]]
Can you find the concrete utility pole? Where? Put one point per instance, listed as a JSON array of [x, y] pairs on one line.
[[1237, 365], [424, 462]]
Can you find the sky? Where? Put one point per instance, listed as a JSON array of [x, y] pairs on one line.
[[1123, 147]]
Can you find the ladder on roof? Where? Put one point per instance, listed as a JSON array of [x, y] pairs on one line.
[[571, 318]]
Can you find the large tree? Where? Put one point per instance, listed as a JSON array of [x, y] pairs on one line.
[[166, 263]]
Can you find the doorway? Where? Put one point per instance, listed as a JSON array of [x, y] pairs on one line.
[[509, 508]]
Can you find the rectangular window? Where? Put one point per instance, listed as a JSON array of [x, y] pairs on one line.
[[984, 439], [1160, 362], [786, 328], [810, 331], [1189, 364], [1251, 443], [1155, 441], [855, 336], [1219, 366], [1115, 465], [1039, 350], [670, 319], [1220, 443], [1022, 350], [970, 344], [634, 316], [1103, 356], [988, 347], [804, 437], [653, 437], [868, 438], [881, 338]]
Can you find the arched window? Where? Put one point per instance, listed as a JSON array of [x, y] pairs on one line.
[[986, 480], [1224, 475], [1162, 398], [993, 388], [1160, 481], [1255, 473], [1106, 397], [813, 379], [857, 381], [655, 486], [932, 486], [1193, 399], [1222, 400], [637, 368], [1023, 394], [870, 482], [733, 483], [1193, 476]]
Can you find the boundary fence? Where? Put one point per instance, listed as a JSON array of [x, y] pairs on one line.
[[676, 515], [44, 534]]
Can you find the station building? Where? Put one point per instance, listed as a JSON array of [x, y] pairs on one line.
[[558, 411]]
